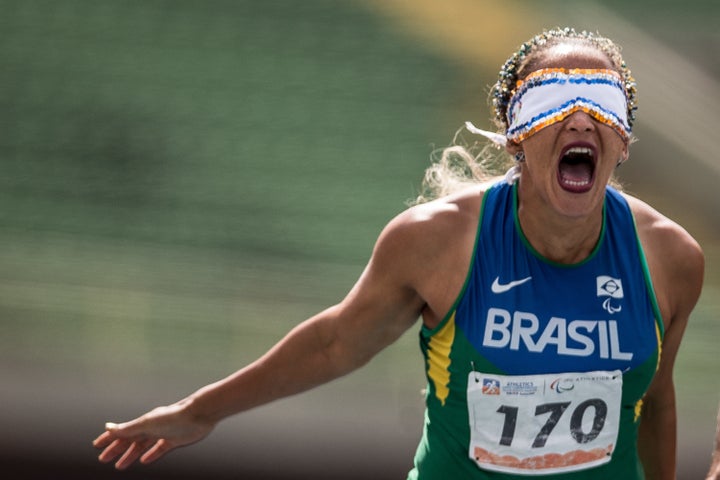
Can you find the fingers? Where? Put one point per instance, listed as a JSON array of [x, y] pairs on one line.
[[130, 451], [131, 454], [112, 432], [160, 448], [103, 440], [116, 448]]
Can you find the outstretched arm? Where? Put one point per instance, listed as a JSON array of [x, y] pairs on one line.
[[381, 306]]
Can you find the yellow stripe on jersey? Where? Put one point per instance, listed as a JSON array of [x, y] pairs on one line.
[[638, 410], [439, 358]]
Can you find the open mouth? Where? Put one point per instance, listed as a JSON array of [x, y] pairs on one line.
[[577, 168]]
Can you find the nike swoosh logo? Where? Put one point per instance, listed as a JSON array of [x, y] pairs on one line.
[[498, 287]]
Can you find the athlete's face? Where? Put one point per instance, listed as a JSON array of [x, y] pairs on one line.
[[569, 163]]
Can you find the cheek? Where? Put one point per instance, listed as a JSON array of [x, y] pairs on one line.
[[616, 148], [610, 137], [542, 142]]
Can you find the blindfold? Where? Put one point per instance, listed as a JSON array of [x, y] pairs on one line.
[[550, 95]]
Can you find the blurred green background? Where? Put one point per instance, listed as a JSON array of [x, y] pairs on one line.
[[182, 182]]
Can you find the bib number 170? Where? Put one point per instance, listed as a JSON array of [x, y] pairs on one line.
[[555, 412]]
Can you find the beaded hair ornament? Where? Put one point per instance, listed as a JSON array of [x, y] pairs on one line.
[[553, 94]]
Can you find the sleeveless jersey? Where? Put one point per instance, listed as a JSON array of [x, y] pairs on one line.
[[539, 368]]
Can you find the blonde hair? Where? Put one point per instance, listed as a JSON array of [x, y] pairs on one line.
[[459, 166]]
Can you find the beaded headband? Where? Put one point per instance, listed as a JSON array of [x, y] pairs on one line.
[[511, 71], [550, 95]]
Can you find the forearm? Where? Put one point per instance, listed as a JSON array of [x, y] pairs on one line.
[[657, 441]]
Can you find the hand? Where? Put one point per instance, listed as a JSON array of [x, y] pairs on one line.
[[714, 473], [151, 436]]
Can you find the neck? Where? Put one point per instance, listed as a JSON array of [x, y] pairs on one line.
[[559, 238]]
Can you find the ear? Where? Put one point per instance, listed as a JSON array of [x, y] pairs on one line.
[[512, 147], [625, 155]]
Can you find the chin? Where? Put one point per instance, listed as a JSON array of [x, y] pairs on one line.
[[580, 202]]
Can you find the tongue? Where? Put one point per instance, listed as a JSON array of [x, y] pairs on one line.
[[575, 174]]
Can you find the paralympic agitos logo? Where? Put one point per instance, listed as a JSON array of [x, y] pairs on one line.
[[611, 288], [561, 385]]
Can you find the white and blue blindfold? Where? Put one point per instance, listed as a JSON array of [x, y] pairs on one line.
[[550, 95]]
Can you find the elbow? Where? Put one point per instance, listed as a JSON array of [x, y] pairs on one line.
[[336, 353], [343, 357]]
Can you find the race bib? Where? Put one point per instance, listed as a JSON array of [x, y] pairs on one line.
[[543, 424]]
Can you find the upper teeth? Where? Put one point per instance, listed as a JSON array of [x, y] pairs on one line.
[[580, 151]]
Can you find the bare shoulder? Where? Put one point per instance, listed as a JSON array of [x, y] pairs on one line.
[[675, 258], [659, 232], [425, 226], [428, 249]]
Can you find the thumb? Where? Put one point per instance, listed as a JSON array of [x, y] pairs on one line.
[[122, 430], [112, 431], [110, 426]]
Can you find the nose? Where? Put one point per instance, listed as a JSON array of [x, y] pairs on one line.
[[580, 122]]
